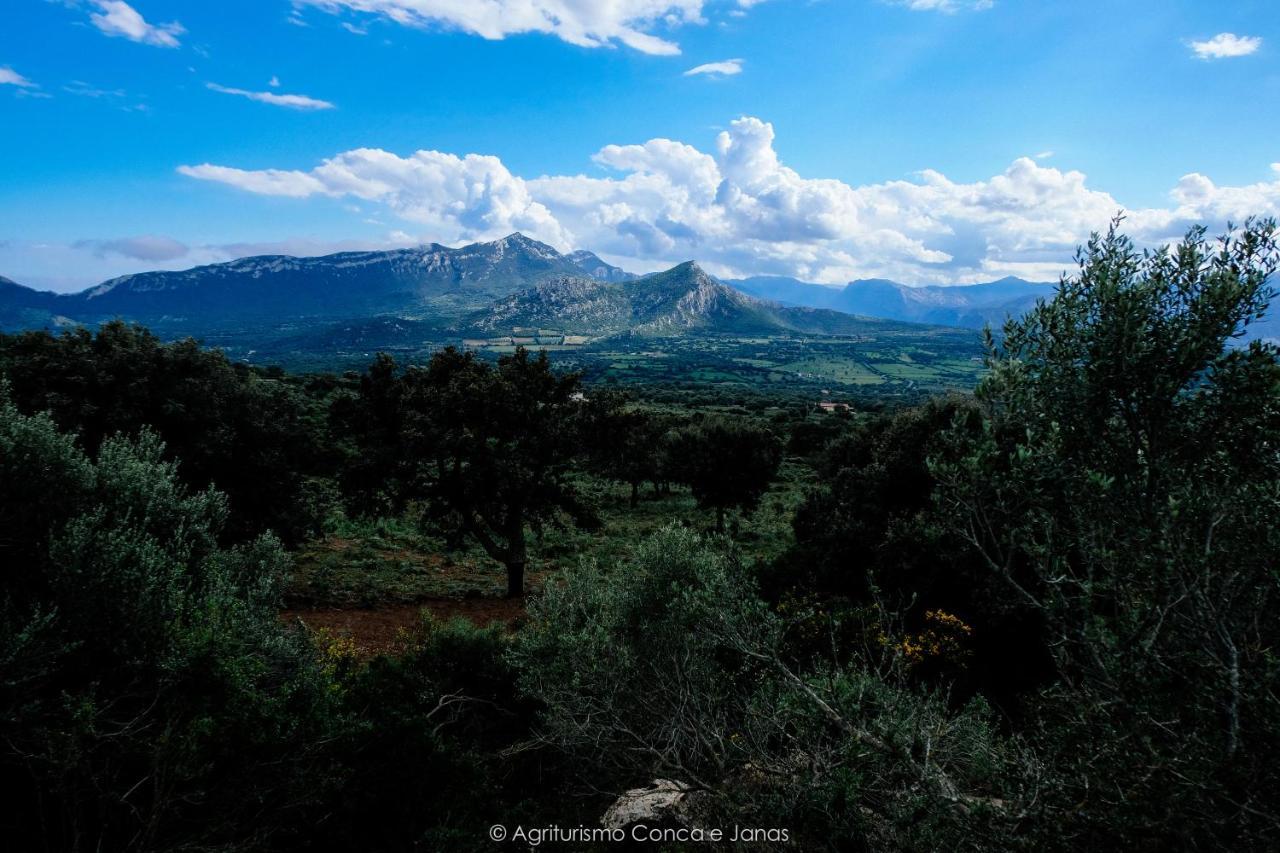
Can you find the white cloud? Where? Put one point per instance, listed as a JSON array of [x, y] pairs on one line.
[[147, 247], [587, 23], [740, 210], [274, 83], [117, 18], [1226, 45], [9, 77], [463, 197], [946, 6], [727, 68], [263, 181], [296, 102], [86, 90]]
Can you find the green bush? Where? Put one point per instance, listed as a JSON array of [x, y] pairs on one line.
[[150, 699], [423, 754], [672, 667], [248, 433], [1124, 488]]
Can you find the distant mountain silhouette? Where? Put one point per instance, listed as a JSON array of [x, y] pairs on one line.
[[967, 306], [362, 298]]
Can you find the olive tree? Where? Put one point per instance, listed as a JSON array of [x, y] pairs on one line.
[[149, 697], [1125, 488]]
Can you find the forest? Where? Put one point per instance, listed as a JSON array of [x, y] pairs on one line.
[[1040, 615]]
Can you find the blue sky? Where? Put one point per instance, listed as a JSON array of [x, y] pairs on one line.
[[924, 140]]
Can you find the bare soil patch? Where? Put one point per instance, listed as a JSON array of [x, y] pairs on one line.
[[390, 628]]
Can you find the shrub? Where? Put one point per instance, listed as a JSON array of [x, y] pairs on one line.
[[149, 698], [673, 667]]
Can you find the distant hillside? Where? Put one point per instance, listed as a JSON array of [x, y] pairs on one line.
[[681, 301], [590, 264], [494, 287], [24, 308], [966, 306], [424, 281], [573, 304]]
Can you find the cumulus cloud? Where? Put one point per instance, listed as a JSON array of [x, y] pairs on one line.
[[727, 68], [148, 247], [1225, 46], [582, 22], [295, 102], [117, 18], [9, 77], [471, 196], [738, 208]]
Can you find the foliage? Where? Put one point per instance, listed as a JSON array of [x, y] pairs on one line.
[[1124, 488], [729, 464], [868, 536], [483, 449], [672, 667], [423, 751], [625, 443], [246, 432], [148, 694]]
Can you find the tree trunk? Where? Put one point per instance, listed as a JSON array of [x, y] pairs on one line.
[[515, 579], [635, 494], [719, 519]]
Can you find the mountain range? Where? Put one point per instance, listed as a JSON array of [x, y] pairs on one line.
[[682, 300], [514, 289], [431, 279], [489, 289], [970, 306], [479, 290]]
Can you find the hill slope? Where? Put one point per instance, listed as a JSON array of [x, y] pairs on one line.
[[680, 301], [423, 281], [966, 306]]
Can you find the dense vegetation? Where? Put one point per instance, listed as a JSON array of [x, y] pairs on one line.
[[1038, 617]]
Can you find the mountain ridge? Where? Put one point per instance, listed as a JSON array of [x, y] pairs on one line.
[[964, 306], [434, 281], [515, 281], [478, 287], [684, 299]]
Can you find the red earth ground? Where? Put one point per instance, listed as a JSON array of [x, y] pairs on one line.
[[377, 630]]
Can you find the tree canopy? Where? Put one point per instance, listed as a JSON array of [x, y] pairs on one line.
[[728, 464], [1125, 489], [483, 449]]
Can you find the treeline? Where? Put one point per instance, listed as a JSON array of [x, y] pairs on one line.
[[476, 449], [1041, 617]]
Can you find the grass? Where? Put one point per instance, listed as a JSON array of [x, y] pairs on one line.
[[359, 563], [842, 371]]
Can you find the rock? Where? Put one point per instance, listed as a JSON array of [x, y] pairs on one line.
[[664, 803]]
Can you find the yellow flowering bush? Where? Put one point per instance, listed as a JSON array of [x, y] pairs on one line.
[[944, 639]]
